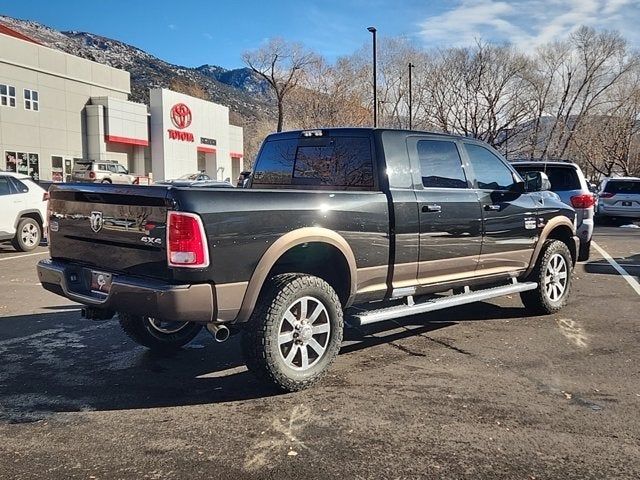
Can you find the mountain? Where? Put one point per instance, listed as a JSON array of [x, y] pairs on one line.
[[246, 96], [241, 78]]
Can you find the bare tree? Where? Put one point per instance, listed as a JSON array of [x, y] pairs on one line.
[[281, 64], [326, 97]]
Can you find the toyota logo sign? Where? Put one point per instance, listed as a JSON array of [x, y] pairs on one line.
[[181, 115]]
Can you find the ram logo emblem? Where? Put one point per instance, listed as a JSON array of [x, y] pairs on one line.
[[96, 221]]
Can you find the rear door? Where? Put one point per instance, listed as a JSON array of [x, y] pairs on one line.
[[622, 197], [81, 171], [450, 215], [509, 218]]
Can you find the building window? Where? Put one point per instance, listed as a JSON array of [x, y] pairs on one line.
[[31, 100], [23, 162], [7, 95]]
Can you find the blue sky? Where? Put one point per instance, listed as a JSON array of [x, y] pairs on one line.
[[191, 33]]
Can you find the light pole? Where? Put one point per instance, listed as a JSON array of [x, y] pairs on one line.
[[411, 65], [375, 86]]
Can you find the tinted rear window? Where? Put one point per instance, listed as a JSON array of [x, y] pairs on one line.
[[82, 166], [340, 162], [619, 186], [561, 178]]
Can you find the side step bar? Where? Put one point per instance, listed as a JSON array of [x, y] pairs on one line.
[[397, 311]]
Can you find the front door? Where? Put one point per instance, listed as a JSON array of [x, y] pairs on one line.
[[510, 222], [450, 215]]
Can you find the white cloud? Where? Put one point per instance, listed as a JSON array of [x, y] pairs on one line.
[[171, 26], [528, 23], [207, 35]]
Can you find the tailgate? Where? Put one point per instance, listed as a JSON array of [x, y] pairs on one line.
[[110, 227]]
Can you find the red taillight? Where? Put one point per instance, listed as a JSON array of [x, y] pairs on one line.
[[606, 195], [584, 200], [186, 241], [45, 196], [92, 175]]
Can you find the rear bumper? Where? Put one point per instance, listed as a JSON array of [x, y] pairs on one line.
[[618, 212], [155, 298], [585, 230]]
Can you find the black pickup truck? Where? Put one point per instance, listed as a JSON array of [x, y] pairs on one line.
[[369, 224]]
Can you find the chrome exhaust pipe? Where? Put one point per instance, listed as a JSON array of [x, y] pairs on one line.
[[219, 332]]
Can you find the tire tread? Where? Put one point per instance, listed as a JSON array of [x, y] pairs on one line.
[[259, 355]]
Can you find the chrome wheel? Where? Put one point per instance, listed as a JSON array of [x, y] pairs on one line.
[[30, 235], [303, 335], [556, 277], [166, 327]]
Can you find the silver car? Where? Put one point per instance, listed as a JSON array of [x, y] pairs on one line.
[[101, 172], [620, 197], [568, 181]]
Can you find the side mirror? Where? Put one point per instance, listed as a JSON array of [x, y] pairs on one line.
[[536, 182]]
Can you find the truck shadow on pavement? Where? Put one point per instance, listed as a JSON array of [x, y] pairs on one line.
[[57, 362], [630, 264]]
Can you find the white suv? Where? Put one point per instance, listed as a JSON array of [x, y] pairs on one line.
[[23, 211]]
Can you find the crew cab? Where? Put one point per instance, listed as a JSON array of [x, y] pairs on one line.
[[363, 224]]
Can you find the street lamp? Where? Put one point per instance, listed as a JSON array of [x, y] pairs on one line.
[[375, 86], [411, 65]]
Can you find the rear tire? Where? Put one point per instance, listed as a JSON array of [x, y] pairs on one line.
[[552, 273], [295, 331], [158, 335], [106, 180], [28, 235]]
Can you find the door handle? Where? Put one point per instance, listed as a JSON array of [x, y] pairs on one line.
[[431, 208], [492, 208]]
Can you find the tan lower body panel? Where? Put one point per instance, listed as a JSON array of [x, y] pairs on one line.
[[371, 279], [229, 298]]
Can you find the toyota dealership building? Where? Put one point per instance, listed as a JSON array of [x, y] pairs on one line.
[[57, 108]]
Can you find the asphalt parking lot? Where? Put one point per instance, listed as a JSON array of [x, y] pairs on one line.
[[482, 391]]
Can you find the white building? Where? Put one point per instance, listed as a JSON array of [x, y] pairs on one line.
[[189, 134], [56, 108]]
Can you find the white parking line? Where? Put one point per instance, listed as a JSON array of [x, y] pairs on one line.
[[630, 280], [22, 256]]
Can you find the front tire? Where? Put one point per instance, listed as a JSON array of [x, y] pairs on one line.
[[552, 272], [295, 331], [28, 235], [158, 335]]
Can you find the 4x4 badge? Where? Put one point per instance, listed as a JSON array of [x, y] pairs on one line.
[[96, 221]]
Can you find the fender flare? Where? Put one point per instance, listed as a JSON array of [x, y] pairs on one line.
[[551, 225], [279, 248], [22, 213]]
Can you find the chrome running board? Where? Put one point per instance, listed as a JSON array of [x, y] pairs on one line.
[[411, 308]]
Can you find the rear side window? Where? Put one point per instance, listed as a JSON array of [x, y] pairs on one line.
[[491, 173], [274, 166], [622, 187], [339, 162], [440, 164], [561, 178], [18, 186]]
